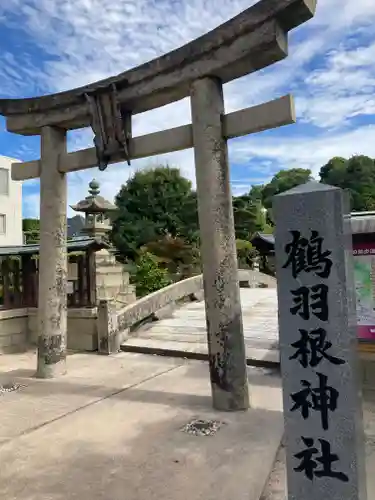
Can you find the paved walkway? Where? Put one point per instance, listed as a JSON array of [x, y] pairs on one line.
[[114, 428], [185, 330]]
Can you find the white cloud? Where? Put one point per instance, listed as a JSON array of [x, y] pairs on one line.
[[330, 69], [299, 152], [326, 112], [342, 87]]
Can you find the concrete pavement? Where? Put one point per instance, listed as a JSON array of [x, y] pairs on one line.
[[113, 429]]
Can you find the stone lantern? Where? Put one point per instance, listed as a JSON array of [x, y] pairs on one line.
[[112, 281], [97, 212]]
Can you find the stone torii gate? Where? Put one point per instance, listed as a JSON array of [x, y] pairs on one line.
[[256, 38]]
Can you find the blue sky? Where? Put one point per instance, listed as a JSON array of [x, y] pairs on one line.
[[53, 45]]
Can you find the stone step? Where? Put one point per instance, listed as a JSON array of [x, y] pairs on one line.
[[254, 353], [197, 336]]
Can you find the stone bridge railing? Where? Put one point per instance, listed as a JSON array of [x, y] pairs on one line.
[[114, 324]]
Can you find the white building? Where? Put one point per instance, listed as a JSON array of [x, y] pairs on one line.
[[10, 205]]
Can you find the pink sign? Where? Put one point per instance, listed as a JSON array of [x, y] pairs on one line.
[[364, 277]]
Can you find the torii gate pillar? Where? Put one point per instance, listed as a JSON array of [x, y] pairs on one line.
[[227, 357], [52, 312]]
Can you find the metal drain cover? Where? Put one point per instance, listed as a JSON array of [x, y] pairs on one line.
[[201, 427], [9, 387]]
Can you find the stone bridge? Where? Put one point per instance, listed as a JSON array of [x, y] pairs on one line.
[[172, 321]]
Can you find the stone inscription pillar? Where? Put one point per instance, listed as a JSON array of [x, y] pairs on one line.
[[52, 312], [227, 357], [324, 434]]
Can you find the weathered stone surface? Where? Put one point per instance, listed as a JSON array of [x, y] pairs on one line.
[[163, 312], [227, 357], [112, 281], [244, 284], [256, 278], [109, 340], [197, 296], [52, 314], [318, 345], [185, 332], [268, 115], [146, 306], [82, 333]]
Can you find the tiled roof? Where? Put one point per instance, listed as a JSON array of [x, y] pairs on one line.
[[81, 243]]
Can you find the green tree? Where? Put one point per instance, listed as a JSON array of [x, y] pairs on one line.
[[149, 276], [256, 193], [334, 172], [31, 229], [153, 203], [357, 175], [268, 229], [189, 228], [248, 217], [181, 259], [246, 254], [283, 181]]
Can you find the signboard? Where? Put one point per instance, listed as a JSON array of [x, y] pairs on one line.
[[323, 428], [364, 278]]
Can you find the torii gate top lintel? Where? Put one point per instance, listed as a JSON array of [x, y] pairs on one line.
[[252, 40]]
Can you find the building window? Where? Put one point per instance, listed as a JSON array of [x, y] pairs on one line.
[[3, 225], [4, 181]]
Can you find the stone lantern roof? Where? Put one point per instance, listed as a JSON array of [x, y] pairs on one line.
[[94, 203]]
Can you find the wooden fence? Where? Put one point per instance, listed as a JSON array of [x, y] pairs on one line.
[[19, 276]]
